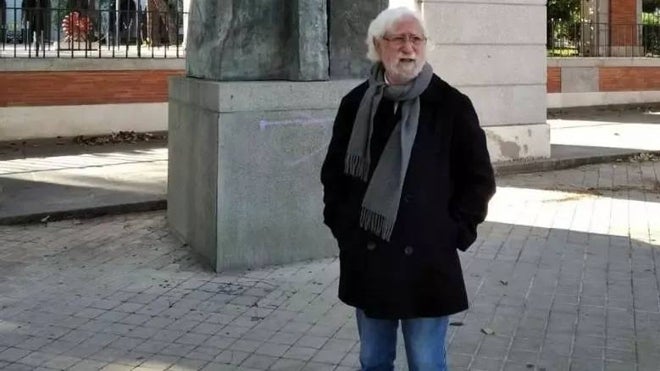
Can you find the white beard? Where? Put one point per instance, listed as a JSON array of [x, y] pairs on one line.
[[404, 71]]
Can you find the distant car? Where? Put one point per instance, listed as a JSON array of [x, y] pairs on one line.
[[12, 36]]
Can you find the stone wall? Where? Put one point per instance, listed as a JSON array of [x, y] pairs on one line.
[[480, 47], [45, 98], [577, 82]]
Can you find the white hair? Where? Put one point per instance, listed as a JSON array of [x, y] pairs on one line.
[[383, 23]]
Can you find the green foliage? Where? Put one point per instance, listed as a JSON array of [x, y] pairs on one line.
[[566, 10], [563, 24], [651, 33], [650, 18], [650, 6], [563, 52]]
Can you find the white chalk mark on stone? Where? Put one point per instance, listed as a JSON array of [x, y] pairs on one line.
[[307, 157], [263, 124]]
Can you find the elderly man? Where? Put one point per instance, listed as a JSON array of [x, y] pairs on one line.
[[407, 179]]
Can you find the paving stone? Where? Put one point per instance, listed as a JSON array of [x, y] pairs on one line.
[[13, 354], [192, 339], [286, 338], [33, 343], [284, 364], [258, 362], [35, 359], [117, 368], [187, 364], [61, 362], [311, 341], [300, 353], [272, 349], [87, 364], [231, 357], [18, 367]]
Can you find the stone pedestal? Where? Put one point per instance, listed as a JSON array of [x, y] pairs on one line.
[[245, 155], [244, 171]]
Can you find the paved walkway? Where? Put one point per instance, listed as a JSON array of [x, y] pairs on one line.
[[58, 178], [564, 276]]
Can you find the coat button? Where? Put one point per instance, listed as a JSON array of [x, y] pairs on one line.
[[371, 246], [408, 250]]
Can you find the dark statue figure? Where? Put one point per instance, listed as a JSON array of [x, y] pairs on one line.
[[130, 21], [162, 20], [36, 18], [3, 20]]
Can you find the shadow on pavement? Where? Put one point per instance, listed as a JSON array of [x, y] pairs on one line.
[[625, 180], [623, 116], [26, 201]]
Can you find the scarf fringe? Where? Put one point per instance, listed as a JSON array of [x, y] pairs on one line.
[[376, 223], [355, 165]]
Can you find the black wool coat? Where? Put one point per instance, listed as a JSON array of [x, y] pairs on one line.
[[445, 196]]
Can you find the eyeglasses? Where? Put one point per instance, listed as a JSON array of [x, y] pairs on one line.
[[401, 40]]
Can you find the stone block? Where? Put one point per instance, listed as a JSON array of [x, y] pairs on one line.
[[579, 79], [489, 64], [514, 104], [478, 23]]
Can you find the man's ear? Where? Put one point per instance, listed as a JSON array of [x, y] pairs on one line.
[[377, 45]]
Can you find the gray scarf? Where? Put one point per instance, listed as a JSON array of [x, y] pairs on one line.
[[381, 200]]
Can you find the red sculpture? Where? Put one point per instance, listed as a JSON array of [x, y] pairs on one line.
[[76, 27]]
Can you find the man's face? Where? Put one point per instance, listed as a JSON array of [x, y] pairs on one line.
[[403, 50]]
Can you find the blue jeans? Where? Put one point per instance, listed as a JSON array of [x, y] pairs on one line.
[[424, 340]]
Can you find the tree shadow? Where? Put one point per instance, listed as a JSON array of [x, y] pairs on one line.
[[25, 200], [540, 290], [624, 116], [624, 180]]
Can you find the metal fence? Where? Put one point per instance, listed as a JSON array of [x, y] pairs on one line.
[[66, 33], [588, 39]]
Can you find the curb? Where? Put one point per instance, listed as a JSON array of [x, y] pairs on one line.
[[533, 166], [85, 213]]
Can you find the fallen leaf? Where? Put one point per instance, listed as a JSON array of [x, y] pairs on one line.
[[487, 331]]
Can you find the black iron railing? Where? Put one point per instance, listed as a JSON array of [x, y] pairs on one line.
[[588, 39], [66, 33]]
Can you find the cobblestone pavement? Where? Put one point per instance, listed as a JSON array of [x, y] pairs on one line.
[[564, 276]]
